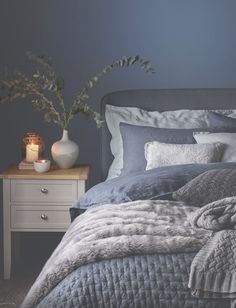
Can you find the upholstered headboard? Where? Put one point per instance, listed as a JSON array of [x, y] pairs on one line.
[[163, 100]]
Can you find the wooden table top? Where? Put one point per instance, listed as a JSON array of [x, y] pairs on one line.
[[75, 173]]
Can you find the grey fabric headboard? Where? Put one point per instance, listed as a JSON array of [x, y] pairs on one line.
[[162, 100]]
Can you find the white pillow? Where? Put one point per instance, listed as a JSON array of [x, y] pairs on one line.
[[229, 139], [160, 154], [168, 119]]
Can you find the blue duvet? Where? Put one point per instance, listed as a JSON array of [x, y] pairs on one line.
[[158, 183]]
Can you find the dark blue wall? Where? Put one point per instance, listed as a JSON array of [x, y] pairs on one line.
[[191, 44]]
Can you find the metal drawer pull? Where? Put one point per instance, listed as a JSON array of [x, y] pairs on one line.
[[44, 217], [44, 190]]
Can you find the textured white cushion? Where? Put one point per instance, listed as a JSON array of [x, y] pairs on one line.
[[229, 139], [168, 119], [160, 154]]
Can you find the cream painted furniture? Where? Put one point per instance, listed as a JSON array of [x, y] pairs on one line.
[[38, 202]]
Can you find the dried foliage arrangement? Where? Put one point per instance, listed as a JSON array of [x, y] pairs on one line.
[[45, 88]]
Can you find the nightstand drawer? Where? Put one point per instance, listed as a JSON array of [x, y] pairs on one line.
[[39, 217], [43, 191]]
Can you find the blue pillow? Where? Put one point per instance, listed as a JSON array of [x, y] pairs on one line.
[[219, 121], [135, 137]]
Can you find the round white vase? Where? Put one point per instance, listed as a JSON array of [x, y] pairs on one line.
[[65, 151]]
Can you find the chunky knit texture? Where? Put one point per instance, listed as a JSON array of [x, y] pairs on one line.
[[209, 186], [213, 270]]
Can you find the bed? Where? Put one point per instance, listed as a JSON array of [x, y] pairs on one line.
[[142, 272]]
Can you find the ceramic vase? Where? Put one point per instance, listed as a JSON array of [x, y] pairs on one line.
[[65, 151]]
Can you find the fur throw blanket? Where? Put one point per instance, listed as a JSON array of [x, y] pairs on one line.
[[111, 231]]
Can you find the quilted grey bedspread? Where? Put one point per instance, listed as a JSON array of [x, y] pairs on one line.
[[118, 231], [146, 281]]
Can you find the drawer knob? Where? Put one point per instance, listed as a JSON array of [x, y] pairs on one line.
[[44, 217], [44, 190]]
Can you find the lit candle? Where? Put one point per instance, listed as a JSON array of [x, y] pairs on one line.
[[32, 152]]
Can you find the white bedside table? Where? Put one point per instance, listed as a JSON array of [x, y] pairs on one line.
[[38, 202]]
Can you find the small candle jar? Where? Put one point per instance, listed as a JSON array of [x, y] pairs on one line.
[[42, 165]]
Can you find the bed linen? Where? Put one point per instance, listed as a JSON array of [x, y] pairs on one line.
[[116, 231], [229, 139], [182, 118], [213, 270], [204, 188], [219, 121], [145, 281], [131, 275], [135, 137], [159, 154], [115, 115], [158, 183]]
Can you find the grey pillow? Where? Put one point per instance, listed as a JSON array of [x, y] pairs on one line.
[[219, 121], [134, 138], [208, 187]]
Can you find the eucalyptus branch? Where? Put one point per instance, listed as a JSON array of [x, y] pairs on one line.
[[52, 110], [44, 63], [55, 83], [54, 86], [45, 88], [79, 105], [25, 87]]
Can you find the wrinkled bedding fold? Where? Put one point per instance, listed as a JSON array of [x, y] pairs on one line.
[[158, 183]]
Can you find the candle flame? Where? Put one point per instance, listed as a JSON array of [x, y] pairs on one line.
[[41, 161]]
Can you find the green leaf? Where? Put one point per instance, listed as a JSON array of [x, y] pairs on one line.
[[45, 86], [84, 97], [47, 117], [132, 60], [90, 84], [145, 63]]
